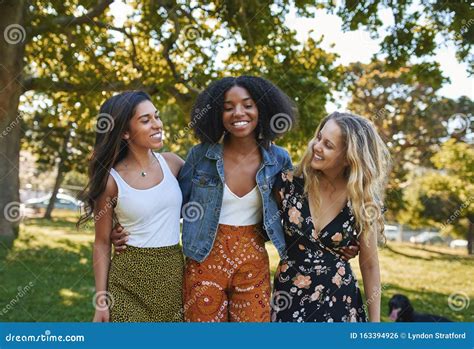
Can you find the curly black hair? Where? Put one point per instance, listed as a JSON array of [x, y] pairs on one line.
[[276, 111]]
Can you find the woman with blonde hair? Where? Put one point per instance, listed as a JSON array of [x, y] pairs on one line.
[[332, 200]]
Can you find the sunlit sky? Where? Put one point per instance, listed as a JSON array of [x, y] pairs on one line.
[[356, 45]]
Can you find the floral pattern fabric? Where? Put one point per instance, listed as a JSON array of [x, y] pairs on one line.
[[313, 283]]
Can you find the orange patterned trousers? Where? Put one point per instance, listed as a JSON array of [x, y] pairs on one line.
[[233, 283]]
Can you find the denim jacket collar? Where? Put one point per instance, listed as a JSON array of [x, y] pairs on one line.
[[215, 152]]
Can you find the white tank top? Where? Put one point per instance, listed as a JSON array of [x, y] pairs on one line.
[[240, 211], [151, 216]]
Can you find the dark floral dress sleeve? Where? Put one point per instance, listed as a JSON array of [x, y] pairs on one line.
[[281, 187]]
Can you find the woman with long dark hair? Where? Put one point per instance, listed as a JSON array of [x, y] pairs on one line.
[[133, 184]]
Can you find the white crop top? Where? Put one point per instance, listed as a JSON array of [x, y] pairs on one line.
[[151, 216], [239, 211]]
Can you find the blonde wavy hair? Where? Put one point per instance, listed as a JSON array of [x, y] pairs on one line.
[[367, 173]]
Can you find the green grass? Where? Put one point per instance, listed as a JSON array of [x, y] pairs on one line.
[[426, 275], [47, 274], [57, 260]]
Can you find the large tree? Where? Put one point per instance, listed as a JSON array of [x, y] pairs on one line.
[[418, 27], [166, 48], [444, 197], [410, 115], [58, 134], [170, 48]]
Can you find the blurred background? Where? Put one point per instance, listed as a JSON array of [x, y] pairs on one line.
[[405, 65]]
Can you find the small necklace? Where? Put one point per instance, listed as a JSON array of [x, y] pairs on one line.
[[143, 172]]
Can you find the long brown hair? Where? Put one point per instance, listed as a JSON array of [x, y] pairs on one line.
[[109, 148], [366, 174]]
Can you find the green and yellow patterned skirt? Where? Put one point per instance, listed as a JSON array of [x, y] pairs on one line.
[[146, 285]]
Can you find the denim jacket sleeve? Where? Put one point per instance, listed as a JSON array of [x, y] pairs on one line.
[[287, 164], [186, 175]]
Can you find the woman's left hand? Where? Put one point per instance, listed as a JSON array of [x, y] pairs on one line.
[[349, 252]]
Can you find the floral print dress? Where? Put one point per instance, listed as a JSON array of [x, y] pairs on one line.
[[313, 284]]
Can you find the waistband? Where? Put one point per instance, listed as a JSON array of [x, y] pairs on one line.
[[255, 228], [156, 251]]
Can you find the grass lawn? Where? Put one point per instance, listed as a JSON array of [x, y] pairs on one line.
[[47, 275]]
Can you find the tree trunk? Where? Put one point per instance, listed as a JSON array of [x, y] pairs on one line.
[[54, 194], [470, 236], [12, 47], [59, 177]]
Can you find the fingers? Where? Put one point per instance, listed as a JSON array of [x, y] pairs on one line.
[[118, 235], [122, 242], [349, 252], [352, 251], [119, 249], [345, 257]]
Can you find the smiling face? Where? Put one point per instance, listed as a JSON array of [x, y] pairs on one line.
[[240, 116], [145, 127], [328, 149]]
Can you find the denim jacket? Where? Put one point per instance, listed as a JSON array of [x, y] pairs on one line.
[[202, 182]]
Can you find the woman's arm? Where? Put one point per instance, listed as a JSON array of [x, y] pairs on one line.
[[103, 217], [186, 175], [174, 162], [369, 266], [287, 164]]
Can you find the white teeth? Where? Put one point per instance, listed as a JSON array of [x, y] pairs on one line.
[[240, 123], [318, 157], [156, 135]]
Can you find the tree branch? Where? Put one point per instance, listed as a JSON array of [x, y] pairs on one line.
[[47, 85], [167, 46], [88, 18], [243, 15], [65, 21], [135, 64]]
